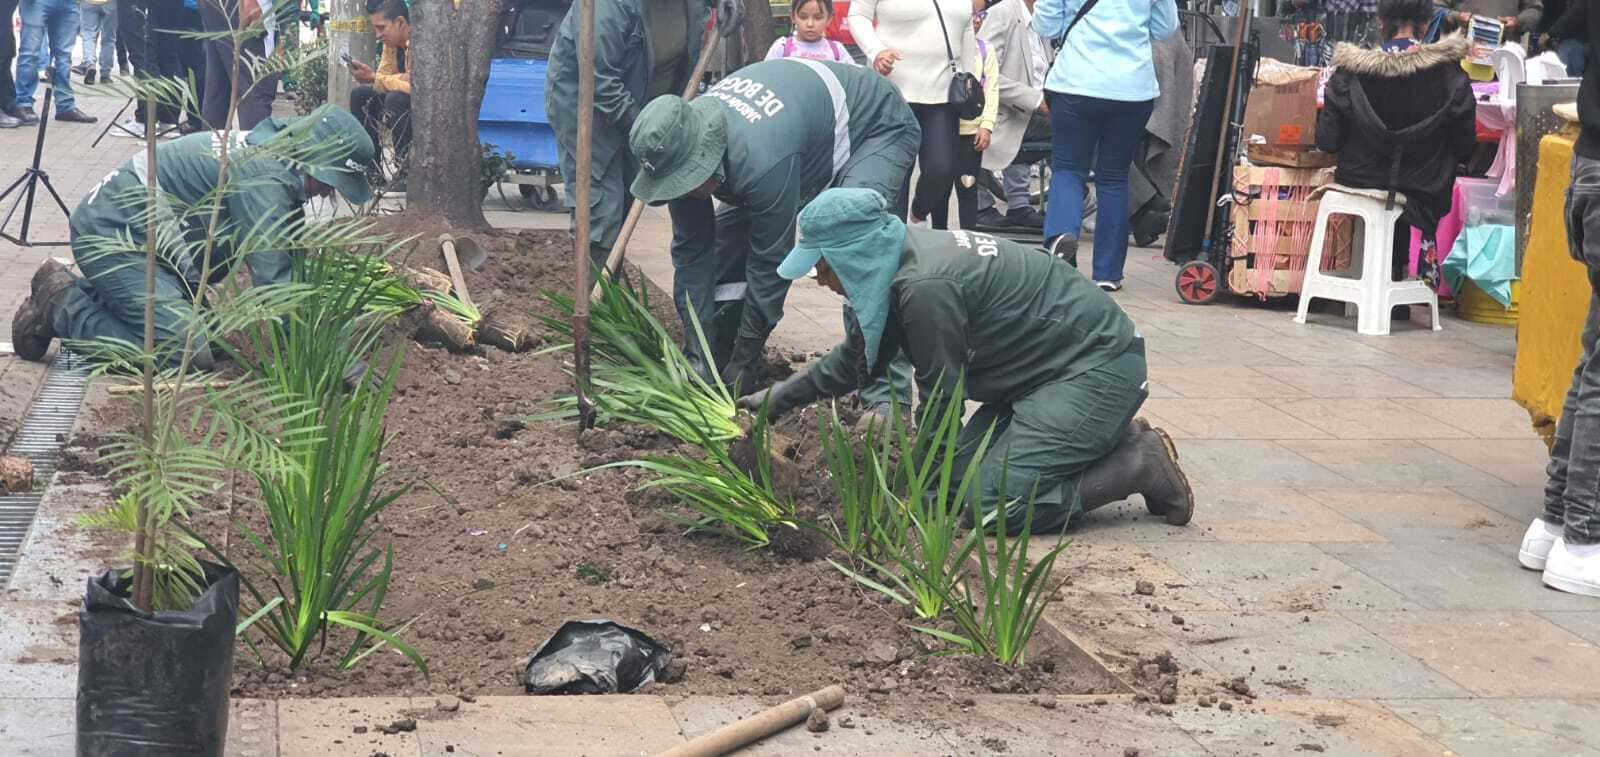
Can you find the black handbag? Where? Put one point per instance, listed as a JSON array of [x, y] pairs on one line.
[[966, 93]]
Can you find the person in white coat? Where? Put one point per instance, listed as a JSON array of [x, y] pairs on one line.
[[1024, 61], [913, 43]]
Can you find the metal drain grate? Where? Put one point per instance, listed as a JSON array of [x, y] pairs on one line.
[[43, 431]]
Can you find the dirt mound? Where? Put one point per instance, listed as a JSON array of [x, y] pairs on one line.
[[490, 559]]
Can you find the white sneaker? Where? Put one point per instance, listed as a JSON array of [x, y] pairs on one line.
[[1536, 544], [132, 128], [1575, 570]]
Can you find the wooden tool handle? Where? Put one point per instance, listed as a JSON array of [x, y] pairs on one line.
[[759, 725]]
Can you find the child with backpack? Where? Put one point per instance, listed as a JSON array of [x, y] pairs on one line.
[[810, 19]]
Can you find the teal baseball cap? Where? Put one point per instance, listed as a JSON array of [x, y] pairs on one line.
[[852, 229], [678, 144], [336, 150]]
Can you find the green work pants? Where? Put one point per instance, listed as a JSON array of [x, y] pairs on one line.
[[109, 302], [1046, 438]]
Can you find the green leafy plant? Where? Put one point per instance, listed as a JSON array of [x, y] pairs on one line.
[[318, 543], [1014, 592], [640, 375], [871, 524], [921, 570]]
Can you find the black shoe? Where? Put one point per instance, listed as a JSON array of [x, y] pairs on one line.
[[1064, 247], [75, 116], [1145, 462], [1026, 217], [88, 78], [989, 218], [28, 116], [189, 127], [105, 77]]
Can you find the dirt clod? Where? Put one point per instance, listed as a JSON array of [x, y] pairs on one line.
[[1177, 620], [403, 725], [1131, 751], [817, 721], [360, 729], [1225, 706], [881, 652], [1239, 686], [1144, 588], [447, 703], [995, 744], [847, 722]]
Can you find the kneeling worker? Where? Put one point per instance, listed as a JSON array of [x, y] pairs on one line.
[[1059, 367], [108, 230]]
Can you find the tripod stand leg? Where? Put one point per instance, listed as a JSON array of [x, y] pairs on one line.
[[112, 124], [45, 179]]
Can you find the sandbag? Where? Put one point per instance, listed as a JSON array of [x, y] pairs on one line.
[[155, 684]]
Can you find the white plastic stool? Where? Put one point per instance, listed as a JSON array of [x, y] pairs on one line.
[[1373, 293]]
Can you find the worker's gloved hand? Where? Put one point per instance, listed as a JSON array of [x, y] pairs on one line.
[[729, 14], [781, 397]]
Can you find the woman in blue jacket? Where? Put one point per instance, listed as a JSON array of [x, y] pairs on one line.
[[1101, 91]]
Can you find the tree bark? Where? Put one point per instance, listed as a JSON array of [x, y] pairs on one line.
[[755, 31], [350, 31], [450, 51]]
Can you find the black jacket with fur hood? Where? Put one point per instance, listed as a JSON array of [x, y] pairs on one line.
[[1401, 122]]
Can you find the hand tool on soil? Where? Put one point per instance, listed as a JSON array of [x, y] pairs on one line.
[[581, 213], [452, 263], [759, 725], [708, 46]]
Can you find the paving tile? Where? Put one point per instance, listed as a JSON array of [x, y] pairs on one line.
[[1456, 575], [1079, 726], [1229, 419], [1313, 350], [1305, 726], [1104, 573], [1483, 418], [1583, 624], [322, 727], [1347, 382], [38, 727], [1368, 419], [1424, 514], [1214, 350], [1498, 727], [595, 725], [1235, 514], [1519, 503], [1275, 577], [1519, 462], [1493, 654], [1226, 382], [1370, 462], [253, 728], [42, 680], [1286, 655], [1425, 349], [1251, 463], [38, 631], [1492, 382]]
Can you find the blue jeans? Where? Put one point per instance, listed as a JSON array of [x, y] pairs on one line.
[[60, 17], [99, 31], [1574, 55], [1103, 134]]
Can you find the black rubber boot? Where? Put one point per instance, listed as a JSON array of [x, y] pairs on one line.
[[31, 331], [1145, 462], [744, 365]]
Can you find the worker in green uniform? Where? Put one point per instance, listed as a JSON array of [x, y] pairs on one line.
[[1059, 368], [765, 140], [642, 48], [330, 151]]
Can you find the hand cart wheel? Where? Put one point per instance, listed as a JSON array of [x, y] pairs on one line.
[[1198, 282], [542, 199]]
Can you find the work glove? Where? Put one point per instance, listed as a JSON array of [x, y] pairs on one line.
[[781, 397], [729, 14]]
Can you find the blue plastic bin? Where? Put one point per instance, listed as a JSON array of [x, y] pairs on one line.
[[512, 117]]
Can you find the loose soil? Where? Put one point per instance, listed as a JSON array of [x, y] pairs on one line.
[[490, 558]]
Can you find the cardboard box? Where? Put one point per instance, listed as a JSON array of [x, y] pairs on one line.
[[1289, 156], [1283, 105]]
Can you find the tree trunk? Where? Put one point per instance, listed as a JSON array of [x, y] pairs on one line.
[[755, 31], [350, 31], [450, 52]]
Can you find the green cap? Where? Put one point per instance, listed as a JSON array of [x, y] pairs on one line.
[[679, 145], [338, 150]]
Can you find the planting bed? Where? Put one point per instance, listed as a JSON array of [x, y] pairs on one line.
[[490, 558]]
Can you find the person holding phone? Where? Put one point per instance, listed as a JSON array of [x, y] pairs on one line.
[[382, 100]]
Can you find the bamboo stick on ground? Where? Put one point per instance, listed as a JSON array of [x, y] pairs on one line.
[[759, 725]]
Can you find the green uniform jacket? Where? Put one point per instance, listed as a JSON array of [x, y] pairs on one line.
[[795, 128], [624, 62], [1010, 317], [262, 190]]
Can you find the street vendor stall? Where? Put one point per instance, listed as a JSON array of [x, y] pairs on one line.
[[1555, 293]]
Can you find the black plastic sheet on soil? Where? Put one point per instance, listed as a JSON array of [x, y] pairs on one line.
[[596, 657]]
